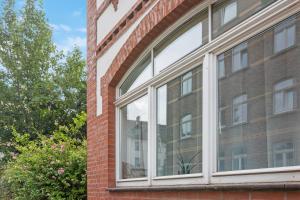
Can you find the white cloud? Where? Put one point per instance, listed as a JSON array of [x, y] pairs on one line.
[[60, 27], [76, 13], [65, 28], [82, 30], [70, 43]]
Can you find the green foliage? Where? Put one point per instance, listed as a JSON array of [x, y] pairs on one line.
[[40, 87], [49, 167]]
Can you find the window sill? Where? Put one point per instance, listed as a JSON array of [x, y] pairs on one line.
[[213, 187]]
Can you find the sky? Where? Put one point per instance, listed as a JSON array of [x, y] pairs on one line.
[[68, 21]]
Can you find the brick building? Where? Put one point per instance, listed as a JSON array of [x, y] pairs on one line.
[[193, 99]]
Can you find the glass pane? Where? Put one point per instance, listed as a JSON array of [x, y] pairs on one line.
[[140, 74], [240, 57], [179, 127], [254, 103], [182, 41], [134, 139], [186, 83], [290, 36], [279, 41], [221, 66], [228, 13]]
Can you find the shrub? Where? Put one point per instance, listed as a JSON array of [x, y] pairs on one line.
[[50, 167]]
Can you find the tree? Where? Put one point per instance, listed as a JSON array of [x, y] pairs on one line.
[[49, 167], [40, 87]]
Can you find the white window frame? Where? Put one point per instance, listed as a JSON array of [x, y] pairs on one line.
[[205, 55]]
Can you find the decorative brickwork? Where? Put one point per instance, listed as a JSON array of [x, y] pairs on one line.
[[101, 130], [137, 10]]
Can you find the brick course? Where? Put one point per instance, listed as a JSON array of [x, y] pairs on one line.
[[101, 130]]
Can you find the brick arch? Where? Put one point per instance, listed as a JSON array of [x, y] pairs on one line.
[[164, 14]]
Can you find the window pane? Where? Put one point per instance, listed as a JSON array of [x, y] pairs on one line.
[[284, 96], [221, 66], [139, 75], [184, 40], [186, 85], [279, 41], [284, 36], [291, 36], [134, 139], [228, 13], [240, 57], [256, 101], [179, 127]]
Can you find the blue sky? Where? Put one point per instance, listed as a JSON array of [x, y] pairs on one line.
[[68, 21]]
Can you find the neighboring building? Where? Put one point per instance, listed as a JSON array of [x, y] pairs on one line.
[[193, 99]]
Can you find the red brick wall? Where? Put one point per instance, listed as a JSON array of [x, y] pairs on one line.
[[101, 130]]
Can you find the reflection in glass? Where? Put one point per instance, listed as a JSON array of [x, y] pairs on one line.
[[179, 127], [259, 111], [134, 139], [186, 83], [284, 154], [284, 96], [140, 74], [240, 57], [184, 40], [229, 13], [284, 35]]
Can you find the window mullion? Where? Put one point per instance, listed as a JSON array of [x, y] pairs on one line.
[[152, 135], [209, 126]]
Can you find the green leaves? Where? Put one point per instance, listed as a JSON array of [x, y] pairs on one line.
[[50, 167], [41, 91], [40, 87]]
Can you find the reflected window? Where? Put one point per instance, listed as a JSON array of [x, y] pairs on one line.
[[139, 75], [222, 117], [229, 12], [221, 66], [254, 100], [239, 57], [221, 161], [283, 154], [134, 139], [240, 109], [186, 126], [284, 97], [239, 159], [284, 35], [186, 83], [182, 41], [177, 120]]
